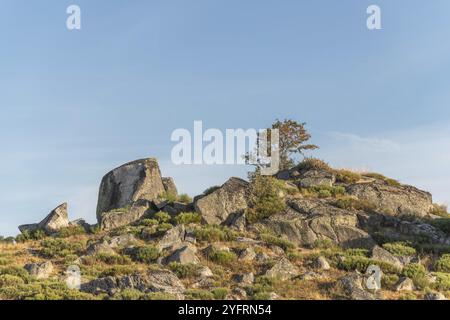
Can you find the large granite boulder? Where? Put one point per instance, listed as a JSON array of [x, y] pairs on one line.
[[307, 220], [126, 192], [56, 220], [393, 199], [218, 205]]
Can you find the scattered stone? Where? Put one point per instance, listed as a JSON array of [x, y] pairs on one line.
[[262, 257], [205, 272], [277, 250], [309, 276], [176, 235], [352, 286], [248, 254], [244, 279], [184, 255], [101, 247], [273, 296], [283, 270], [404, 284], [435, 296], [122, 241], [321, 263], [236, 221], [40, 270]]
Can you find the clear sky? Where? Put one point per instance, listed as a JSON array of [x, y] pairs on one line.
[[75, 104]]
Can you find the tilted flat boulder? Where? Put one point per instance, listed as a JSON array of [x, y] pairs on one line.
[[56, 220], [229, 199], [123, 187], [392, 199]]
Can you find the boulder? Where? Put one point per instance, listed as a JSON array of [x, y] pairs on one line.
[[57, 219], [205, 272], [152, 281], [282, 270], [315, 178], [186, 254], [352, 286], [236, 221], [404, 284], [169, 186], [125, 185], [101, 247], [122, 241], [40, 270], [393, 199], [321, 263], [307, 220], [381, 254], [248, 254], [176, 236], [229, 199], [434, 296]]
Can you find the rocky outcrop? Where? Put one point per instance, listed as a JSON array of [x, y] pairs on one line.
[[308, 178], [56, 220], [353, 287], [124, 216], [380, 254], [283, 270], [152, 281], [126, 185], [40, 270], [393, 199], [176, 236], [308, 220], [186, 254], [218, 205]]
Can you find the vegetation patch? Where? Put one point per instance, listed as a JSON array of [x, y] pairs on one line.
[[399, 249]]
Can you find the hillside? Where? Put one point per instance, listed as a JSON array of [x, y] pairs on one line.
[[310, 232]]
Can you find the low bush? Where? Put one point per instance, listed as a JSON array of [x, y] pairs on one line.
[[184, 198], [440, 210], [271, 239], [443, 263], [214, 234], [313, 164], [389, 281], [416, 272], [326, 191], [389, 181], [442, 281], [129, 294], [399, 249], [148, 222], [60, 248], [31, 235], [118, 271], [70, 231], [351, 263], [187, 217], [162, 217], [145, 254], [349, 203], [222, 257], [199, 294], [113, 259], [347, 176], [184, 270], [219, 293], [10, 280]]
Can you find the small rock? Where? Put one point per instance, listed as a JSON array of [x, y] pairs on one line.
[[262, 257], [435, 296], [184, 255], [321, 263], [101, 247], [309, 275], [352, 286], [40, 270], [381, 254], [205, 272], [283, 270], [277, 250], [244, 279], [247, 254], [404, 284]]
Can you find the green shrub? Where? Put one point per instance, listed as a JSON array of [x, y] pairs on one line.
[[70, 231], [443, 263], [118, 270], [389, 280], [148, 222], [59, 248], [113, 259], [271, 239], [442, 224], [351, 263], [199, 294], [5, 261], [188, 217], [264, 197], [184, 198], [145, 254], [326, 191], [399, 249], [15, 271], [184, 270], [214, 234], [313, 164], [324, 194], [347, 176], [357, 252], [222, 257], [220, 293], [324, 244], [416, 272], [349, 203], [10, 280], [31, 235], [129, 294], [442, 281], [159, 296], [169, 196], [162, 217]]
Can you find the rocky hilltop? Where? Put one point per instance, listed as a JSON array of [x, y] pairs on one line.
[[310, 232]]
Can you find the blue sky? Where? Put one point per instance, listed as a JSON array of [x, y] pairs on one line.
[[75, 104]]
